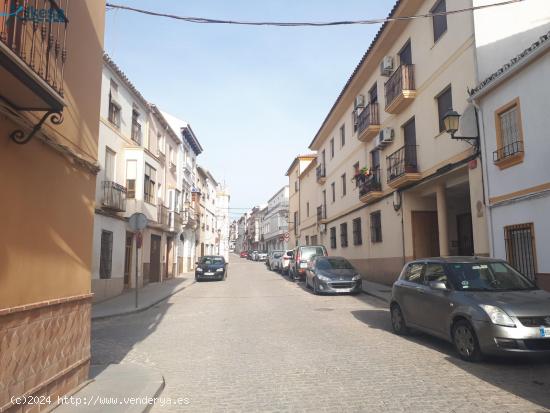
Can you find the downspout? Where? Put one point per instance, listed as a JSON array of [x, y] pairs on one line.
[[403, 227]]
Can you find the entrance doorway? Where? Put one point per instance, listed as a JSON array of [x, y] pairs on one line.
[[465, 234], [154, 266], [128, 258], [425, 234], [169, 258]]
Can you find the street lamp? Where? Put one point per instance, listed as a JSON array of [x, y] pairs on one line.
[[451, 120]]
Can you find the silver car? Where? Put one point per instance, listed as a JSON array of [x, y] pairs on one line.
[[481, 305]]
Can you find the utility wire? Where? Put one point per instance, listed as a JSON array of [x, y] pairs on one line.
[[203, 20]]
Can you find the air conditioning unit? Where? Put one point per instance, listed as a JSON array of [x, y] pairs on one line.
[[386, 66], [359, 102], [322, 227], [385, 137]]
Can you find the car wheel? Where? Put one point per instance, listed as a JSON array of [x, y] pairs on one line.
[[307, 284], [465, 341], [398, 321], [316, 286]]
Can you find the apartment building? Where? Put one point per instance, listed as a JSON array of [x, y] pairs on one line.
[[511, 96], [293, 172], [49, 123], [223, 223], [310, 212], [388, 171], [275, 221], [207, 187], [242, 225]]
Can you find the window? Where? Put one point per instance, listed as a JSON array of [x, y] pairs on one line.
[[414, 273], [131, 174], [106, 254], [333, 189], [440, 21], [136, 127], [307, 209], [307, 239], [520, 248], [373, 94], [344, 185], [110, 156], [376, 227], [332, 148], [333, 237], [342, 135], [114, 113], [444, 104], [509, 135], [295, 186], [149, 184], [357, 236], [344, 235]]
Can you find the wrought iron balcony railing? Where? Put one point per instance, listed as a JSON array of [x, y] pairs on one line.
[[368, 117], [321, 213], [114, 196], [402, 79], [370, 183], [402, 161], [507, 151], [321, 172]]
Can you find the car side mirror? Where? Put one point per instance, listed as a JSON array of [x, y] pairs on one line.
[[438, 285]]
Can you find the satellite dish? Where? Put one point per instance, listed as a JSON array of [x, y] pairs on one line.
[[137, 221], [468, 122]]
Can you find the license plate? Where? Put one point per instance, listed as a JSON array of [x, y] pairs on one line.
[[303, 265], [545, 332], [208, 273]]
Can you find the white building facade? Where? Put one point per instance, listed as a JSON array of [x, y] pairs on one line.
[[275, 221]]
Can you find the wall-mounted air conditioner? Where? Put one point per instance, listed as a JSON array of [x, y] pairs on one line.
[[385, 137], [386, 66]]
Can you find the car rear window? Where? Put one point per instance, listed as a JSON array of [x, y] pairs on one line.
[[212, 260], [308, 252]]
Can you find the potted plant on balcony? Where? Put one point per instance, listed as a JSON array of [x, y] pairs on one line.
[[362, 175]]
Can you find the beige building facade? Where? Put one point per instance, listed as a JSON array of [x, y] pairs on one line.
[[394, 186]]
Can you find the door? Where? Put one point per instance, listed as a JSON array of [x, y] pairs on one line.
[[409, 133], [436, 306], [128, 259], [405, 55], [425, 234], [465, 234], [169, 259], [154, 266]]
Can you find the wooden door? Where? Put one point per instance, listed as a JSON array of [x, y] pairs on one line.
[[169, 258], [128, 259], [154, 266], [465, 234], [425, 234]]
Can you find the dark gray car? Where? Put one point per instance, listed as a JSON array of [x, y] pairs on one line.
[[481, 305], [332, 275]]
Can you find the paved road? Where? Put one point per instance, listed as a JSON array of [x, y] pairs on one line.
[[258, 342]]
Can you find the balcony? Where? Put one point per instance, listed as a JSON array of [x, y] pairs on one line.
[[509, 155], [400, 89], [321, 214], [136, 132], [32, 54], [368, 123], [173, 167], [403, 167], [162, 215], [321, 174], [370, 187], [176, 221], [114, 196]]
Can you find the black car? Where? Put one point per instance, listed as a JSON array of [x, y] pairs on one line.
[[211, 267]]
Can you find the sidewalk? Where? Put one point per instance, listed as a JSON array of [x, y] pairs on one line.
[[381, 291], [148, 296], [116, 388]]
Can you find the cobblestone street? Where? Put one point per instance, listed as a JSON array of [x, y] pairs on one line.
[[258, 342]]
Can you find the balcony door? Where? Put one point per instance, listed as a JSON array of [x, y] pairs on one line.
[[409, 133], [154, 266], [109, 164], [405, 55]]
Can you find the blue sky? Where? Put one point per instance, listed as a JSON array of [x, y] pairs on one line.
[[255, 96]]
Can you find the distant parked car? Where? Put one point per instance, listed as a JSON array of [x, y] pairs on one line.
[[254, 255], [272, 257], [262, 256], [251, 254], [332, 275], [282, 263], [244, 254], [481, 305], [299, 262], [211, 267]]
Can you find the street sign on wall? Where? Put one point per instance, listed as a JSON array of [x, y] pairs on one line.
[[137, 221]]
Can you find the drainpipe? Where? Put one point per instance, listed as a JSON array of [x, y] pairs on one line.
[[403, 228]]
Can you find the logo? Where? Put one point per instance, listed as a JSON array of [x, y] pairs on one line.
[[37, 15], [547, 321]]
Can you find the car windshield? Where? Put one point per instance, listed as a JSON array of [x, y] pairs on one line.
[[487, 276], [212, 260], [334, 264], [277, 255], [308, 252]]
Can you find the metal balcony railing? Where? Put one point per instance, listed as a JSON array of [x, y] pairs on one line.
[[402, 161], [514, 148], [401, 79], [321, 213], [36, 32], [369, 116], [370, 183], [114, 196], [162, 215], [321, 172]]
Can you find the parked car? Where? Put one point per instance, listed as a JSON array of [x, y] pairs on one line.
[[253, 255], [299, 262], [282, 263], [272, 257], [481, 305], [262, 256], [211, 267], [244, 254], [332, 275]]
